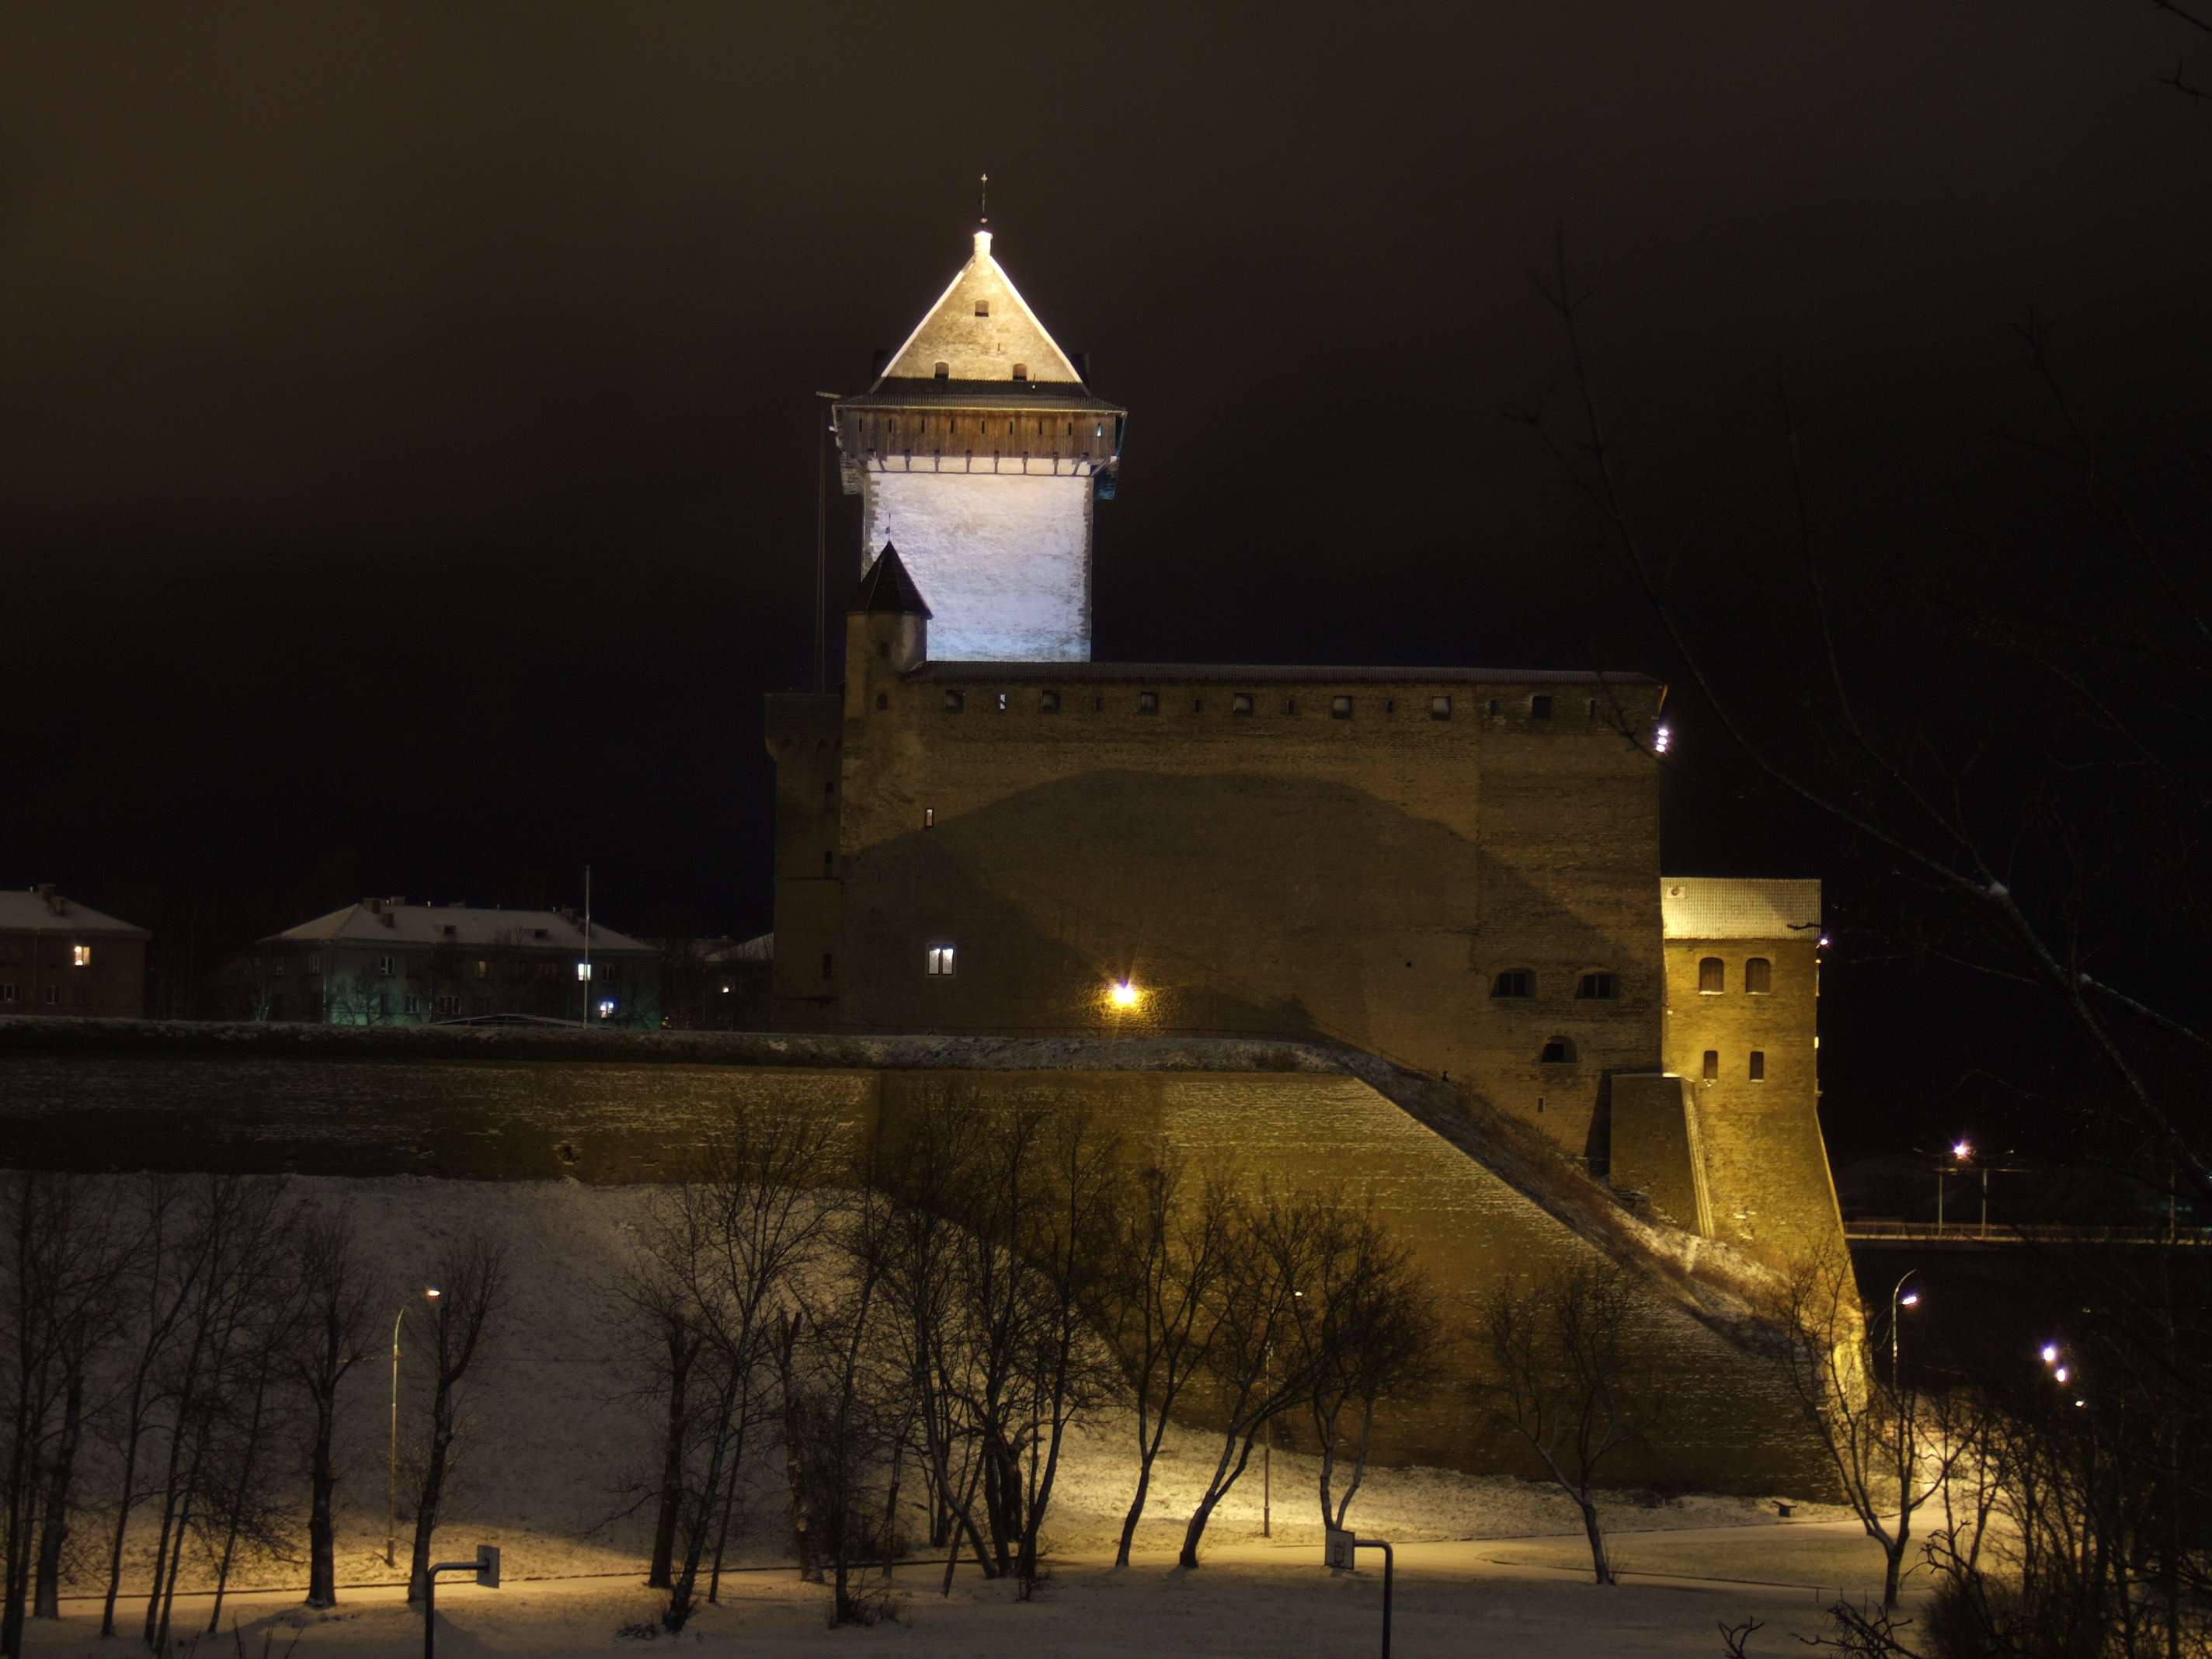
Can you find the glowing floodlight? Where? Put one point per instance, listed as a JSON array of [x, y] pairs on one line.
[[1124, 994], [1962, 1151], [1661, 739], [2060, 1373], [1910, 1299], [2050, 1354]]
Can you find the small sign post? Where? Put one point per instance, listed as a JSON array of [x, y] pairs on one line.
[[486, 1567], [1337, 1547]]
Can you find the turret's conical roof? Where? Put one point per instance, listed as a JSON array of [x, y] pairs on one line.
[[887, 588], [980, 329]]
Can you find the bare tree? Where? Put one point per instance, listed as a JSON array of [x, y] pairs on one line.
[[471, 1283], [1255, 1368], [721, 1270], [1369, 1323], [60, 1259], [1163, 1305], [1564, 1372], [336, 1330]]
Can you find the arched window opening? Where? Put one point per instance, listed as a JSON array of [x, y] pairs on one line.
[[1558, 1051], [1515, 982], [1599, 987], [1713, 1064], [1021, 371], [945, 371], [1712, 977], [1759, 975]]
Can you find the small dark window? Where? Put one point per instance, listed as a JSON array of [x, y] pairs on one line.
[[1148, 702], [1759, 975], [1712, 977], [883, 700], [1439, 709], [882, 647], [1021, 373], [1339, 708], [1757, 1066], [1290, 705], [1198, 705], [1599, 987], [1047, 702], [1713, 1064], [829, 864], [1515, 982], [1540, 707], [829, 786], [1559, 1051], [982, 308], [1241, 703], [955, 701], [829, 964], [1390, 706], [944, 372], [1490, 708]]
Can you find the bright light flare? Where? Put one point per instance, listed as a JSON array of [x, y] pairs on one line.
[[1910, 1299], [1661, 739], [2050, 1354], [1123, 994], [1962, 1151], [2060, 1374]]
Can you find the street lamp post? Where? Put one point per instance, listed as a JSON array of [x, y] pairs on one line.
[[391, 1480], [1897, 1302]]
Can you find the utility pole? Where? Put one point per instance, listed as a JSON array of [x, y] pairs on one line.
[[588, 987], [822, 545]]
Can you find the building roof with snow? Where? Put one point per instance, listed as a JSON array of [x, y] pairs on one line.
[[1732, 907], [393, 920], [44, 910]]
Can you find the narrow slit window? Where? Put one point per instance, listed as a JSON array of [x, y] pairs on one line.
[[1599, 987], [1713, 1064], [829, 965], [883, 700], [1758, 1065], [1557, 1051], [929, 817], [1759, 975], [829, 864], [940, 961], [1514, 983], [1712, 977]]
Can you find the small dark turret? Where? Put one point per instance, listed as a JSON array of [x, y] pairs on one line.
[[886, 632]]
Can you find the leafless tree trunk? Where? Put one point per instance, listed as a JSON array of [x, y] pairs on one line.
[[336, 1330], [171, 1256], [1164, 1307], [1565, 1373], [471, 1283]]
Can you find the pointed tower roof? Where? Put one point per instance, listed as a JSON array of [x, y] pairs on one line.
[[979, 329], [887, 588]]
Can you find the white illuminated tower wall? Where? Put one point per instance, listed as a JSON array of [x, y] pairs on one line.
[[978, 454]]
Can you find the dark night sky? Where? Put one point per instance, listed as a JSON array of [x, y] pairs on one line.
[[407, 410]]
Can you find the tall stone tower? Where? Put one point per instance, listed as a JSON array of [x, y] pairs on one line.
[[978, 453]]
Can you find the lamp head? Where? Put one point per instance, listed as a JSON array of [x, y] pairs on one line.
[[1910, 1299], [1962, 1151]]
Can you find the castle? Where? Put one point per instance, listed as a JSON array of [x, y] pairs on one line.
[[987, 834]]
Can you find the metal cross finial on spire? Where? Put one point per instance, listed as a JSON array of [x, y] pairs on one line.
[[983, 200]]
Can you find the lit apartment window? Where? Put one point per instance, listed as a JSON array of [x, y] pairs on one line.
[[1599, 987], [1759, 975], [1540, 707], [940, 961], [1559, 1051], [584, 971], [484, 970], [1712, 977], [81, 955], [1439, 709], [1515, 982], [1713, 1064], [1757, 1066]]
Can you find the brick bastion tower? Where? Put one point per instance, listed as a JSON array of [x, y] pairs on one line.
[[1452, 873]]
